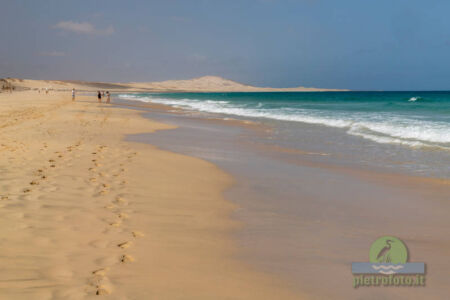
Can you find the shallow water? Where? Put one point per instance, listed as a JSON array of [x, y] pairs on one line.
[[310, 212]]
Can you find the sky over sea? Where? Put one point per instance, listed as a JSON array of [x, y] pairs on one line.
[[352, 44]]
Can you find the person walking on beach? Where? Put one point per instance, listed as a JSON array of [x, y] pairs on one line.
[[73, 94], [108, 97], [99, 96]]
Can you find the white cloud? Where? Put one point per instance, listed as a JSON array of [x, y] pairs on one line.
[[53, 53], [83, 28]]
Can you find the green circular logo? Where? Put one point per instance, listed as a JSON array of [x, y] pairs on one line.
[[388, 249]]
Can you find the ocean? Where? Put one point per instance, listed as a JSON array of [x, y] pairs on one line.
[[413, 126], [319, 176]]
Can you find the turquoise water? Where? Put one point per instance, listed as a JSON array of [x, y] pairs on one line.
[[412, 119]]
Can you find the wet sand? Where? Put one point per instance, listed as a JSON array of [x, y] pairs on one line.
[[85, 214], [307, 219]]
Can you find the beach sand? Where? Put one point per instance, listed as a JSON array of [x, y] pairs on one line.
[[84, 213]]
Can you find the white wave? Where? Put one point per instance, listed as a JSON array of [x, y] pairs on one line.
[[233, 109], [403, 129], [413, 99], [389, 140]]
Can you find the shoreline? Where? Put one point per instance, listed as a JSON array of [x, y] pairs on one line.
[[86, 213], [324, 224]]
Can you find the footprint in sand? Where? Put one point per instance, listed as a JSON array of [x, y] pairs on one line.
[[100, 272], [126, 258], [101, 290], [93, 179], [137, 234], [34, 182], [120, 200], [27, 190], [124, 245], [116, 224], [123, 216], [102, 192], [4, 198], [110, 206], [101, 284]]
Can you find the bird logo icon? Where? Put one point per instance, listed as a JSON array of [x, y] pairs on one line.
[[388, 249]]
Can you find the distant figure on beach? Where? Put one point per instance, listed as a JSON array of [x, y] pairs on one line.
[[108, 97], [73, 94], [46, 90], [99, 96]]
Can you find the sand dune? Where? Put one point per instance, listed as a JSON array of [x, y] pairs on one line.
[[201, 84]]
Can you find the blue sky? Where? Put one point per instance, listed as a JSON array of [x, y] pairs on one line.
[[355, 44]]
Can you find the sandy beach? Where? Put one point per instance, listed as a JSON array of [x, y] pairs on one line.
[[229, 150], [84, 213]]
